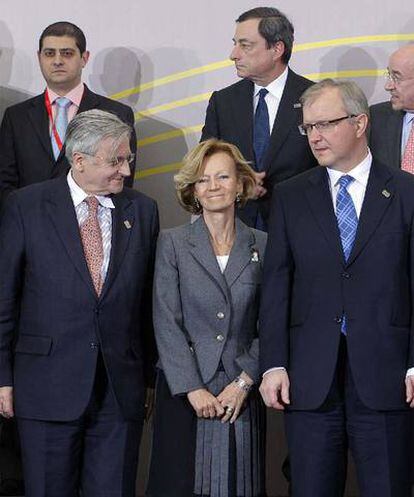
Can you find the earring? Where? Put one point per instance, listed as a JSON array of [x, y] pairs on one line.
[[196, 203], [238, 198]]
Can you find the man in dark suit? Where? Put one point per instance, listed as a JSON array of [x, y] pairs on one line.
[[392, 122], [336, 326], [76, 259], [31, 148], [260, 114]]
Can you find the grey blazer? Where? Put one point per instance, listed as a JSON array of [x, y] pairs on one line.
[[201, 316]]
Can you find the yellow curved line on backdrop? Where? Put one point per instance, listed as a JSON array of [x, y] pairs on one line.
[[166, 168], [300, 47], [141, 114], [169, 135]]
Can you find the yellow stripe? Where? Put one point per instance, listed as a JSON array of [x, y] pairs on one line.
[[169, 135], [354, 40], [360, 73], [171, 78], [166, 168], [227, 63], [171, 105]]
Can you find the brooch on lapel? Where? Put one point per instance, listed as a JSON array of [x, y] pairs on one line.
[[297, 105], [386, 193], [255, 255], [127, 224]]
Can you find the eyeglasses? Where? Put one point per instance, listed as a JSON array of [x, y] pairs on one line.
[[322, 126], [395, 78], [116, 162]]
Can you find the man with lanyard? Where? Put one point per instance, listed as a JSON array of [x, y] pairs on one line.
[[32, 133]]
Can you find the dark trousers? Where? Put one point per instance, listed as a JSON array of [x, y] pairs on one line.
[[96, 454], [379, 441]]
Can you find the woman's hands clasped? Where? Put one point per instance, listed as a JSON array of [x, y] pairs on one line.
[[228, 403]]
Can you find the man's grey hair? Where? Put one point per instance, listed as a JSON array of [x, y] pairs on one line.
[[354, 100], [88, 129]]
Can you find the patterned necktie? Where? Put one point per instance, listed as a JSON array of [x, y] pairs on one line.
[[347, 223], [407, 163], [92, 243], [61, 123], [261, 129]]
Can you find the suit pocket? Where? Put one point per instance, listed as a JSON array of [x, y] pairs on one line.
[[33, 344]]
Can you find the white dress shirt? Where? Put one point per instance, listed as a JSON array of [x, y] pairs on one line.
[[275, 89], [104, 217], [356, 189]]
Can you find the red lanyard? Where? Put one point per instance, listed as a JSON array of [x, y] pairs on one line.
[[50, 114]]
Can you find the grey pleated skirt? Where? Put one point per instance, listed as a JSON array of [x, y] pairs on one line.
[[204, 457]]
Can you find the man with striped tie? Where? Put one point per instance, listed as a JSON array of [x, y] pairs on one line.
[[76, 347], [336, 320], [392, 130], [32, 133]]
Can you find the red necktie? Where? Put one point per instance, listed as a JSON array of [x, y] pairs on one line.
[[407, 163], [92, 243]]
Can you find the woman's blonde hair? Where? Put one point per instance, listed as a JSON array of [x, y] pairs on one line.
[[193, 166]]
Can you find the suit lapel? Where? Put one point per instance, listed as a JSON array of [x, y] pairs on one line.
[[286, 117], [320, 202], [242, 110], [121, 234], [63, 215], [89, 100], [378, 197], [40, 121], [202, 251], [241, 253]]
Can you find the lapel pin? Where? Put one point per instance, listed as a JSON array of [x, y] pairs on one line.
[[255, 255], [297, 105], [127, 224], [386, 193]]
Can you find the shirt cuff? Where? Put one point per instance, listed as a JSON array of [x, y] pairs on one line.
[[410, 372], [281, 368]]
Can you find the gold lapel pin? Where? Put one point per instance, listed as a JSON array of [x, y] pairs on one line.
[[127, 224], [386, 193]]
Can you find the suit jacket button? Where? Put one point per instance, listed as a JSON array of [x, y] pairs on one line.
[[220, 315], [93, 345], [338, 319], [346, 275], [220, 338]]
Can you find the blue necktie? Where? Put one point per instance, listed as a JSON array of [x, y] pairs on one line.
[[61, 123], [347, 222], [261, 130]]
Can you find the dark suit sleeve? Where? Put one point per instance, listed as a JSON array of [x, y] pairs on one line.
[[9, 175], [276, 292], [148, 340], [11, 271], [211, 128]]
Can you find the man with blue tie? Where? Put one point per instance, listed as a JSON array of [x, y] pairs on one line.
[[260, 113], [336, 320], [76, 347], [32, 133]]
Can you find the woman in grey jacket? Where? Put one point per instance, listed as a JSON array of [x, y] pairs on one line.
[[208, 426]]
